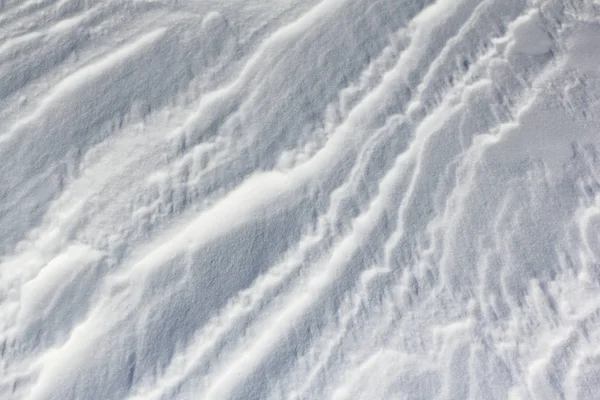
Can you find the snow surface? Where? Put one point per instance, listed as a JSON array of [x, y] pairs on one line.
[[292, 199]]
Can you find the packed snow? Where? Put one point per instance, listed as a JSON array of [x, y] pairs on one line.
[[299, 199]]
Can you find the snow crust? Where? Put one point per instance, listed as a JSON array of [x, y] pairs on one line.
[[335, 199]]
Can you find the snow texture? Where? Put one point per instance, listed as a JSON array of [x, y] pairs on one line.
[[286, 199]]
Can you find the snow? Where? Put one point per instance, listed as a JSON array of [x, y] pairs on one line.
[[334, 199]]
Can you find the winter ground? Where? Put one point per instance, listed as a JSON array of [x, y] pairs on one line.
[[344, 199]]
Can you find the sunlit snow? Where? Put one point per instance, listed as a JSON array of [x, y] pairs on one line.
[[286, 199]]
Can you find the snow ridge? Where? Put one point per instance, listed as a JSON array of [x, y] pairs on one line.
[[299, 200]]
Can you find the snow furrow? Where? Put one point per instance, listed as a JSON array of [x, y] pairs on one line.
[[296, 200]]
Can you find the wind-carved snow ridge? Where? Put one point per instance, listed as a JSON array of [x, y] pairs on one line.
[[329, 199]]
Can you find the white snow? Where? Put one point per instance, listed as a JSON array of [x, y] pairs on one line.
[[334, 199]]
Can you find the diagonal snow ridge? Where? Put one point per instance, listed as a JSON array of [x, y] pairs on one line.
[[362, 199]]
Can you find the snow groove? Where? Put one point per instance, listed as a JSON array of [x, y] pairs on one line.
[[295, 200]]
